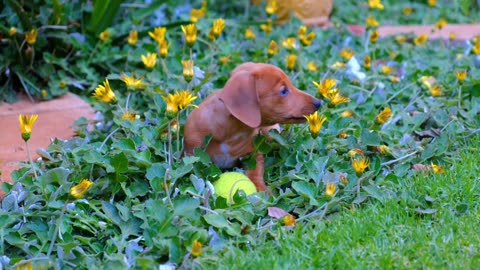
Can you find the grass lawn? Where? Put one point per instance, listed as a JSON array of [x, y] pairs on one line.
[[385, 235]]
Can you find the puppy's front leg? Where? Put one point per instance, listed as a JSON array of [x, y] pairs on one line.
[[256, 175]]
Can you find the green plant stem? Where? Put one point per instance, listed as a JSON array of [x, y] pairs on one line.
[[169, 129], [31, 160], [32, 58], [398, 159], [459, 97], [57, 228], [399, 92], [128, 101], [178, 133], [108, 137]]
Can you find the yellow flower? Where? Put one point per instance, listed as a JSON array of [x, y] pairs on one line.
[[355, 152], [12, 32], [44, 93], [249, 34], [436, 90], [272, 48], [308, 39], [130, 116], [336, 98], [441, 23], [196, 14], [184, 98], [384, 115], [289, 220], [371, 21], [172, 104], [104, 93], [394, 79], [400, 39], [367, 62], [305, 39], [346, 113], [291, 61], [62, 84], [31, 37], [346, 53], [188, 69], [384, 150], [374, 36], [386, 70], [315, 123], [360, 164], [271, 6], [452, 36], [132, 37], [224, 59], [104, 36], [343, 179], [217, 28], [325, 86], [437, 168], [342, 134], [476, 46], [196, 248], [432, 3], [150, 60], [26, 123], [407, 11], [79, 190], [158, 34], [131, 82], [461, 75], [25, 266], [375, 4], [163, 48], [290, 43], [330, 189], [338, 65], [420, 40], [190, 32], [311, 66], [178, 101], [267, 27]]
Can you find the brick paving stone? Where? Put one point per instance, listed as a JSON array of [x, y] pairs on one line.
[[55, 119]]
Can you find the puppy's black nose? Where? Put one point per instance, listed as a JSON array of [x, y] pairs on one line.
[[317, 103]]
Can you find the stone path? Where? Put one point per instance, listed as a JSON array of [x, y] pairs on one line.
[[57, 116]]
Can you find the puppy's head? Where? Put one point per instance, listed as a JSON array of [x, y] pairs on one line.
[[262, 94]]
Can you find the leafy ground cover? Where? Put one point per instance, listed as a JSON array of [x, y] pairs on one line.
[[122, 193]]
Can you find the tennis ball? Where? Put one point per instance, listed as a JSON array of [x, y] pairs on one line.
[[230, 182]]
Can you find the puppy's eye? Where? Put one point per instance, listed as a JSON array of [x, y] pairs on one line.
[[284, 91]]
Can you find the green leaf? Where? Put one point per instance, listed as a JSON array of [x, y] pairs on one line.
[[56, 175], [157, 170], [375, 192], [103, 14], [307, 190], [185, 206], [111, 212], [217, 221], [119, 163], [369, 138]]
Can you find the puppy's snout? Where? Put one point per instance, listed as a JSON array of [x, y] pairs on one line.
[[317, 103]]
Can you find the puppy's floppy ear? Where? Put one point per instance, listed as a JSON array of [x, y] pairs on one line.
[[241, 99]]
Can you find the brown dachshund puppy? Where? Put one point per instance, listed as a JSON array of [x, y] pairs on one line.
[[256, 97]]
